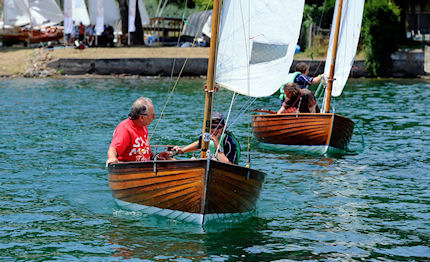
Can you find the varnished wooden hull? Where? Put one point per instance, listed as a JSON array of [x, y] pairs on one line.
[[10, 38], [183, 190], [304, 129]]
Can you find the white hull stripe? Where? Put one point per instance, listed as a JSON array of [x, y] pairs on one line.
[[177, 215]]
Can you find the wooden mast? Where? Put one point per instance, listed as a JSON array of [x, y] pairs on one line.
[[210, 80], [333, 57]]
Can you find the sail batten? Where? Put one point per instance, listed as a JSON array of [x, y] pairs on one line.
[[349, 35], [257, 44]]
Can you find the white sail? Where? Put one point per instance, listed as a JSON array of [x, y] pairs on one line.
[[16, 12], [111, 11], [144, 17], [349, 34], [80, 12], [97, 14], [45, 12], [257, 44], [103, 12], [131, 15], [68, 20], [41, 12]]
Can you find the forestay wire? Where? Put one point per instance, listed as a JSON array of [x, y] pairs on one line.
[[248, 75], [179, 75], [226, 121]]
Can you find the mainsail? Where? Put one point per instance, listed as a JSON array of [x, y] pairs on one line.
[[349, 34], [39, 13], [45, 12], [257, 44], [144, 17], [16, 13], [103, 12], [80, 12]]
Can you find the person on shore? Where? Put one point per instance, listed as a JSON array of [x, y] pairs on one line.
[[90, 32], [130, 139], [229, 147], [81, 32], [298, 100]]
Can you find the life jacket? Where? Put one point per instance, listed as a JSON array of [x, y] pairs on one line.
[[212, 147], [290, 79]]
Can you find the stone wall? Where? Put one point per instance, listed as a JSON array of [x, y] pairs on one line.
[[163, 66], [405, 64], [131, 66], [408, 64]]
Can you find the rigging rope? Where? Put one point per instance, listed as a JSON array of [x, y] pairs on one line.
[[226, 121], [248, 75], [178, 78], [243, 109]]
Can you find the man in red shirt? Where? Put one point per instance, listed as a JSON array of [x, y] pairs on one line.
[[81, 31], [130, 140]]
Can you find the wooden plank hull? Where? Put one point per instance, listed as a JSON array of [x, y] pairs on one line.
[[36, 36], [184, 189], [304, 129]]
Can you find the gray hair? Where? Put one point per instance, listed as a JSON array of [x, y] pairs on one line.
[[140, 107]]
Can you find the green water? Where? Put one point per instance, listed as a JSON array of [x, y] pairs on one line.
[[370, 205]]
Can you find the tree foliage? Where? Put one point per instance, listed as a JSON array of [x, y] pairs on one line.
[[380, 35], [202, 4], [319, 14]]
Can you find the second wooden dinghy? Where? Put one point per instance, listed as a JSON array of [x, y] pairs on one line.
[[319, 132]]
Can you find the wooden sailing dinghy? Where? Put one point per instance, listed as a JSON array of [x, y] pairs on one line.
[[195, 191], [203, 189], [31, 22], [326, 131], [32, 36], [318, 131]]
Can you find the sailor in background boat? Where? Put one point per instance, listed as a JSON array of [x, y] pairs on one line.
[[301, 78], [229, 151], [130, 139], [298, 100]]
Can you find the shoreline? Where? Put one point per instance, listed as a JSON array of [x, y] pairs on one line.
[[131, 62]]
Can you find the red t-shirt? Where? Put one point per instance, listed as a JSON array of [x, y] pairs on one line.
[[131, 142]]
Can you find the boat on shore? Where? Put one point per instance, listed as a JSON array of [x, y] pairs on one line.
[[31, 22], [27, 36]]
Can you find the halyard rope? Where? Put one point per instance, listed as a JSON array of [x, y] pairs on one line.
[[226, 122], [177, 79]]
